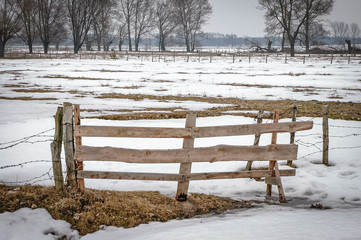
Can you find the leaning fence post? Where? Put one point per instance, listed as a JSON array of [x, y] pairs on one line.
[[69, 145], [185, 168], [256, 139], [292, 135], [56, 146], [78, 142], [325, 111]]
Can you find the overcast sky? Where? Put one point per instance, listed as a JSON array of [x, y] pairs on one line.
[[241, 17]]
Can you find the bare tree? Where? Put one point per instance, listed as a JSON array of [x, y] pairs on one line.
[[313, 10], [50, 21], [290, 15], [110, 36], [126, 10], [121, 35], [103, 22], [165, 21], [81, 14], [191, 15], [27, 12], [143, 21], [340, 31], [355, 33], [137, 15], [9, 23]]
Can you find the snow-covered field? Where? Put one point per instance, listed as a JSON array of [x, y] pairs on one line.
[[86, 82]]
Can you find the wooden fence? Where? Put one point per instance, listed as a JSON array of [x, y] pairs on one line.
[[188, 154]]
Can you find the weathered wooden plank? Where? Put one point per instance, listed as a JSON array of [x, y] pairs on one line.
[[78, 142], [185, 167], [56, 147], [180, 177], [131, 176], [240, 174], [207, 154], [188, 132], [136, 132], [250, 129], [257, 137], [69, 145]]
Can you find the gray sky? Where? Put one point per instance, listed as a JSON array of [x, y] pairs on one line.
[[241, 17]]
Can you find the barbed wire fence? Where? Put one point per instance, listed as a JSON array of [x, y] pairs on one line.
[[41, 137], [315, 147], [202, 55]]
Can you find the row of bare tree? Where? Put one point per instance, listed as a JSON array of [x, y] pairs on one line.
[[341, 32], [290, 18], [302, 20], [101, 22]]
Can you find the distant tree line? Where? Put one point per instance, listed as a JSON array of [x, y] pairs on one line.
[[105, 23], [102, 22], [301, 20]]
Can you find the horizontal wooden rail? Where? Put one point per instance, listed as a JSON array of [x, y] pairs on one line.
[[131, 132], [182, 177], [206, 154], [196, 132], [240, 174], [250, 129], [131, 176]]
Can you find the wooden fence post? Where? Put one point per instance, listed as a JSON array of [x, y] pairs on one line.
[[256, 139], [69, 145], [78, 142], [56, 146], [292, 135], [331, 59], [325, 111], [273, 165], [185, 168], [233, 57]]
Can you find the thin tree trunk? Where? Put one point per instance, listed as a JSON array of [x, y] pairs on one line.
[[2, 49], [292, 46], [45, 46], [30, 48], [307, 38], [283, 42]]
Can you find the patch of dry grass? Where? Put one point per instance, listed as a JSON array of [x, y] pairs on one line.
[[338, 110], [88, 212], [28, 99], [72, 78], [37, 90]]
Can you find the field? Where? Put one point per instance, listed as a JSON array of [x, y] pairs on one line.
[[148, 90]]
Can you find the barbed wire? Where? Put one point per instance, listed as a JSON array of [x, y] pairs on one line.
[[24, 163], [34, 179], [305, 144], [320, 151], [25, 140], [338, 126]]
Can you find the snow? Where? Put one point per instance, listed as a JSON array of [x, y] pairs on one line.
[[337, 187], [272, 222], [35, 224]]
